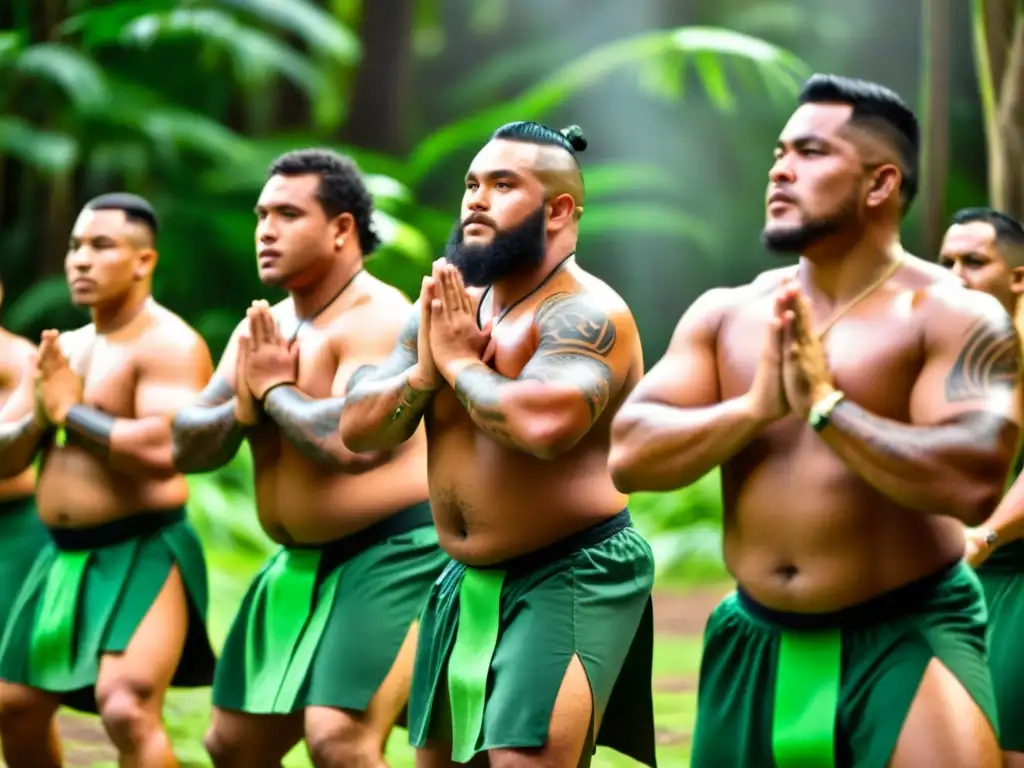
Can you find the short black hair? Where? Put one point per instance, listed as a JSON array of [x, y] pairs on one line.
[[341, 188], [570, 139], [1008, 229], [880, 109], [136, 209]]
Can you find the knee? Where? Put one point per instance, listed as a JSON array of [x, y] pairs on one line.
[[126, 712], [343, 743], [19, 709], [221, 747]]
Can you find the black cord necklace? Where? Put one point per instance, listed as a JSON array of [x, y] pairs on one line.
[[523, 298], [306, 320]]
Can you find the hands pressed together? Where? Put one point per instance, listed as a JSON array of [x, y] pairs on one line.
[[449, 338], [265, 360], [57, 387], [793, 373]]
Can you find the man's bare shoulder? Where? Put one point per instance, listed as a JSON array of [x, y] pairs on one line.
[[716, 305], [16, 354], [595, 295], [949, 311], [170, 336]]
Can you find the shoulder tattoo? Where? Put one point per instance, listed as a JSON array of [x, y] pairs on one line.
[[569, 324], [990, 361]]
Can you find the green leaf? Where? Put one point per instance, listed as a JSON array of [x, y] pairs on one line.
[[38, 303], [403, 238], [319, 29], [80, 78], [43, 150], [257, 56], [609, 179], [776, 66], [605, 218]]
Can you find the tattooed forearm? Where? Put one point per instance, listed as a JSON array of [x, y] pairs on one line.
[[205, 436], [479, 390], [19, 443], [989, 363], [311, 425], [90, 429], [382, 407], [942, 469]]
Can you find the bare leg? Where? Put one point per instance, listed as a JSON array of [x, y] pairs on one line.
[[131, 686], [239, 740], [945, 728], [339, 739], [28, 729]]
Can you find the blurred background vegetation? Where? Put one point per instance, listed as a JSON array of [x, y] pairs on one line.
[[187, 101]]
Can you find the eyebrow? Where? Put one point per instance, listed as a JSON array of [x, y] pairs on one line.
[[799, 141], [501, 173], [276, 207]]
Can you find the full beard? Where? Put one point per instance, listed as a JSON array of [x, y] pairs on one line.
[[512, 250]]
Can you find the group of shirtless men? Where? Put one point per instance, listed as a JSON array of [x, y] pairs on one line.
[[457, 555]]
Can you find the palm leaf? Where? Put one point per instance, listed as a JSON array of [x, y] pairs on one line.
[[37, 306], [77, 75], [257, 56], [43, 150], [781, 72], [604, 218], [318, 29]]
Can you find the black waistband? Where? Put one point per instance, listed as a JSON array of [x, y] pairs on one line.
[[19, 504], [588, 537], [117, 531], [340, 550], [885, 607]]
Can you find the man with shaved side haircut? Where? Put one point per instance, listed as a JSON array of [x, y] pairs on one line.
[[536, 641], [114, 610], [862, 407], [985, 249]]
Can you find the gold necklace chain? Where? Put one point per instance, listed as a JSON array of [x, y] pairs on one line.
[[861, 296]]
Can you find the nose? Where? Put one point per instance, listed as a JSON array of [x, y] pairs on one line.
[[265, 232], [781, 171], [476, 200], [80, 259], [960, 274]]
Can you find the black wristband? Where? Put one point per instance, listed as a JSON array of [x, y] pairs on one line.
[[92, 424], [275, 386]]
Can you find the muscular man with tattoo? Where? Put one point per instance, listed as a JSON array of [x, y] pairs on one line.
[[113, 612], [544, 615], [985, 249], [862, 407], [322, 646]]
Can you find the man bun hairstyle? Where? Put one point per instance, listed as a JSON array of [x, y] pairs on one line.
[[571, 139], [879, 109]]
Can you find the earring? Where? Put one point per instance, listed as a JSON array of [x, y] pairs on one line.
[[340, 242]]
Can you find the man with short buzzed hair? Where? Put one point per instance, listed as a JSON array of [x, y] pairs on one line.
[[985, 249]]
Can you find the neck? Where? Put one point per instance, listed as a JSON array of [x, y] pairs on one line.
[[837, 271], [512, 289], [113, 316], [314, 297]]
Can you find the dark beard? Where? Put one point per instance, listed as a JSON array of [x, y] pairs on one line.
[[796, 240], [512, 250]]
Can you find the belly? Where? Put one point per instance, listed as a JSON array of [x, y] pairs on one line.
[[77, 490], [301, 502], [492, 503], [804, 534]]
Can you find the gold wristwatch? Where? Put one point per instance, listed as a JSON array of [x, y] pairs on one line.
[[821, 411]]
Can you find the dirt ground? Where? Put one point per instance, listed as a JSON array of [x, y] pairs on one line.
[[674, 614]]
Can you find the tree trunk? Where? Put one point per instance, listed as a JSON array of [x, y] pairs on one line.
[[935, 69], [1010, 123], [378, 112]]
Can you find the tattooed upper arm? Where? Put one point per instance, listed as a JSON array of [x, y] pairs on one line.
[[973, 363], [403, 356], [577, 339]]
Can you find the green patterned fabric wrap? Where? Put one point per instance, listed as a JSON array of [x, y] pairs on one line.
[[495, 645], [22, 538], [322, 626], [87, 593]]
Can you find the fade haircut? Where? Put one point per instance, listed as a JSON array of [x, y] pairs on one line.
[[879, 110], [341, 188], [1009, 231], [136, 209], [571, 140]]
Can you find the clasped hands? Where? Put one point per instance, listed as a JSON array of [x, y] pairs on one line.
[[449, 337], [265, 360], [57, 387], [793, 372]]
